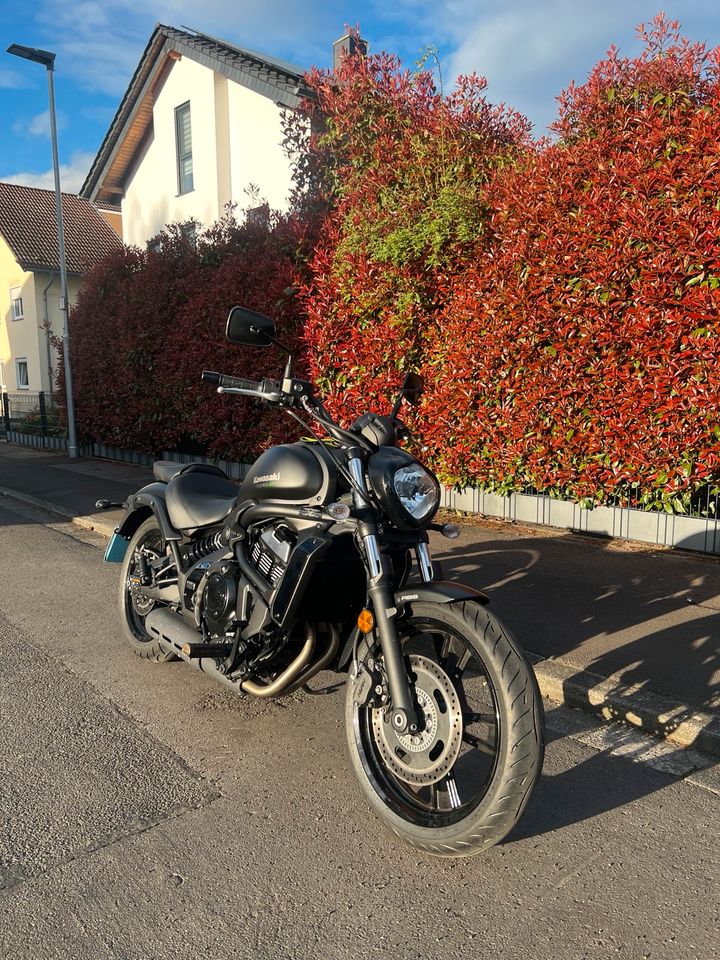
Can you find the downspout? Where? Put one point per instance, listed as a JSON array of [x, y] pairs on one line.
[[47, 332]]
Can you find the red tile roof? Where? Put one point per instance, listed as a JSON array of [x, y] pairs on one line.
[[28, 225]]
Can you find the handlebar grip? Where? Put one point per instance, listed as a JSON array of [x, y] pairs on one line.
[[223, 380], [237, 383]]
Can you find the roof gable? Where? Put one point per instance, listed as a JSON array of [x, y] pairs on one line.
[[268, 76], [29, 227]]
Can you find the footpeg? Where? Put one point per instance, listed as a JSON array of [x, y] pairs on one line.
[[196, 650]]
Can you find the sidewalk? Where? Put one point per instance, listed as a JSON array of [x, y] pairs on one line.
[[618, 629]]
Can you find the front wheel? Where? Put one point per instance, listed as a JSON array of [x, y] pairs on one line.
[[463, 781]]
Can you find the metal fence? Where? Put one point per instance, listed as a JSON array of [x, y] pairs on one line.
[[35, 419], [33, 413]]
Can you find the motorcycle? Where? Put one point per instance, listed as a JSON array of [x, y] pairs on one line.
[[307, 567]]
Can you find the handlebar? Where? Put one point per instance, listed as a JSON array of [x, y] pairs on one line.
[[233, 383]]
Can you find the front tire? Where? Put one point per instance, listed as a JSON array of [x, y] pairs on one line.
[[133, 610], [462, 783]]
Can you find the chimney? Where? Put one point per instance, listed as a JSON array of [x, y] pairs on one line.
[[348, 46]]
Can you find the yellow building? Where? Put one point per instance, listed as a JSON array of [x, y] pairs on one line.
[[30, 277]]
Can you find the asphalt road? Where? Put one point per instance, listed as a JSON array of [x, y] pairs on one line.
[[147, 813]]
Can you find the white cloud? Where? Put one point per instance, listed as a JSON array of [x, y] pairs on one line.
[[72, 175], [530, 51], [10, 80], [39, 125], [100, 44]]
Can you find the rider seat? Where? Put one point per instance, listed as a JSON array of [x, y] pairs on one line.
[[197, 495]]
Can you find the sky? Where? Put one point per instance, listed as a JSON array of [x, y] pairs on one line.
[[529, 50]]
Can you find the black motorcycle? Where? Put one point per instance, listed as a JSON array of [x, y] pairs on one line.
[[307, 567]]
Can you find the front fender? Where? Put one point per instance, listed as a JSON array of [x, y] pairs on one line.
[[437, 591]]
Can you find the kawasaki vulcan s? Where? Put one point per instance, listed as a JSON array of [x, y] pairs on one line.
[[308, 566]]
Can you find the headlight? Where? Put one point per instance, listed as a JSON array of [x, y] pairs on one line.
[[404, 489], [417, 491]]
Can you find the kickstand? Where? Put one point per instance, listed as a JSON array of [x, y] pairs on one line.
[[323, 691]]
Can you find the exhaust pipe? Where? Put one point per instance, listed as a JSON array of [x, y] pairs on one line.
[[172, 633]]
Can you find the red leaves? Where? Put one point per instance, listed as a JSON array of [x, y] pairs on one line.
[[574, 343], [147, 323]]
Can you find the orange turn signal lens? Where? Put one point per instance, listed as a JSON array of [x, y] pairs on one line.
[[365, 621]]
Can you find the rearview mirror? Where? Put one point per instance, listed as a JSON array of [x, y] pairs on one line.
[[249, 328], [412, 388]]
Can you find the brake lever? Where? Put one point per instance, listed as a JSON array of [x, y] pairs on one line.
[[257, 394]]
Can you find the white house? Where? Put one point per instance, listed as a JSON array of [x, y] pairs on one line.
[[199, 123]]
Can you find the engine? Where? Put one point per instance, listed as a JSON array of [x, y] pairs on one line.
[[270, 552], [211, 590], [219, 599]]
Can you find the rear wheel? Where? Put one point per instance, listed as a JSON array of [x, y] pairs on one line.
[[463, 781], [134, 607]]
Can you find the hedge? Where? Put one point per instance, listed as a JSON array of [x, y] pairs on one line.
[[560, 296], [572, 343]]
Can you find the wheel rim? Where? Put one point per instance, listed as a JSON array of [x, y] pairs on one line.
[[455, 779], [137, 608]]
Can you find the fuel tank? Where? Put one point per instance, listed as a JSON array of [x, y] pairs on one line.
[[295, 473]]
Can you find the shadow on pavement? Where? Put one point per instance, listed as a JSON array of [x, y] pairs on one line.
[[593, 787], [649, 620]]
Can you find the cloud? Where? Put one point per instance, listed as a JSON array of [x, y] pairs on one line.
[[10, 80], [39, 125], [100, 44], [530, 51], [72, 175]]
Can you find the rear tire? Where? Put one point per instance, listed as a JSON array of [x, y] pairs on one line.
[[133, 612], [488, 727]]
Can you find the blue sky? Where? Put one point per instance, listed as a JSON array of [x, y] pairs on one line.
[[529, 50]]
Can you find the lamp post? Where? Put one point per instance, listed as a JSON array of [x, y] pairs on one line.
[[47, 59]]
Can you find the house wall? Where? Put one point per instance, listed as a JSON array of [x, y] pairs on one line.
[[18, 338], [236, 141], [47, 298], [151, 194], [27, 338], [256, 152]]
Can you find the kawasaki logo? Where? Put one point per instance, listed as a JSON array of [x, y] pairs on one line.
[[267, 478]]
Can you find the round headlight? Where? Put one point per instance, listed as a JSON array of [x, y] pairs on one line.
[[417, 491]]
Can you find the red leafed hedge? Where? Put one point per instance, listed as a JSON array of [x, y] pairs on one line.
[[573, 342], [148, 322], [560, 297]]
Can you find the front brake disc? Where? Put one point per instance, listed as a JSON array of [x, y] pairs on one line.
[[427, 756]]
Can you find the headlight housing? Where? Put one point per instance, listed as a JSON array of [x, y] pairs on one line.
[[405, 489]]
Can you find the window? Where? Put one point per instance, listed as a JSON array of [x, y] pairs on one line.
[[21, 373], [17, 304], [183, 141]]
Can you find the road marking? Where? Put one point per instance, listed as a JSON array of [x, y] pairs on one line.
[[618, 740]]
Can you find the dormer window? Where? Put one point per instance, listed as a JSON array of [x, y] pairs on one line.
[[183, 141]]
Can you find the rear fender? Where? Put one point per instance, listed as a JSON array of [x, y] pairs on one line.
[[143, 504]]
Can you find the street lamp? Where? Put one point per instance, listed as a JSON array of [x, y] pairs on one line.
[[47, 59]]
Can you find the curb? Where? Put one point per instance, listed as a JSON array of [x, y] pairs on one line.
[[91, 522], [654, 714], [558, 680]]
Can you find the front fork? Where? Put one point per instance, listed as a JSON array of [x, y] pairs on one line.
[[381, 594]]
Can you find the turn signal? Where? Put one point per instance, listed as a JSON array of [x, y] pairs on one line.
[[365, 621], [450, 530]]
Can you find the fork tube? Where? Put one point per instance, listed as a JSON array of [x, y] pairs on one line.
[[381, 596]]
